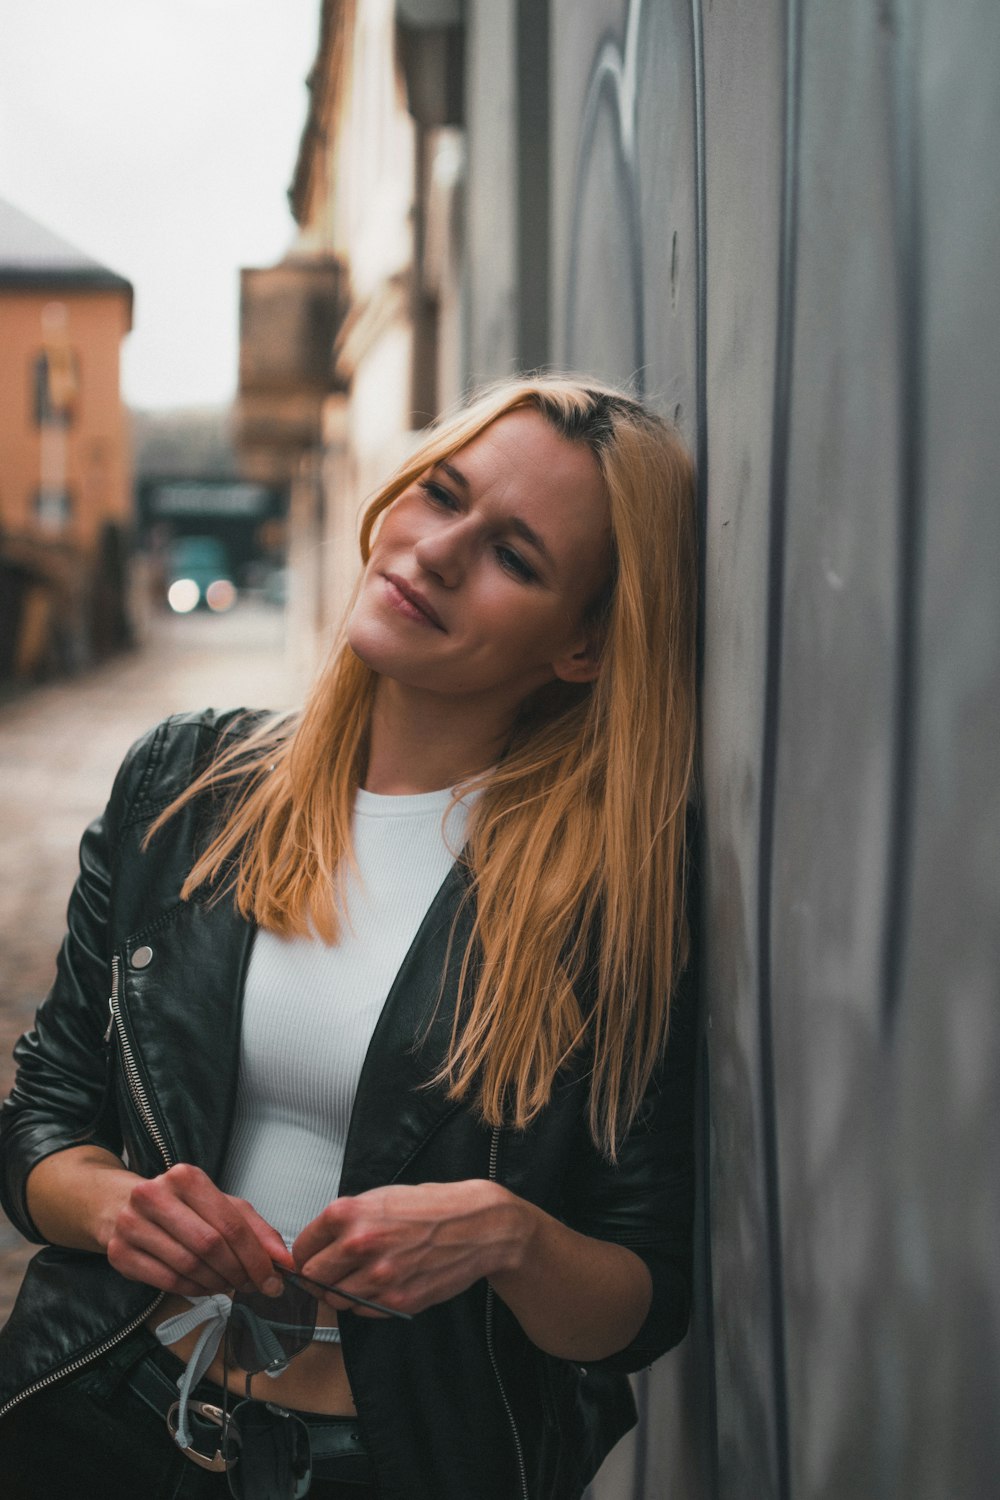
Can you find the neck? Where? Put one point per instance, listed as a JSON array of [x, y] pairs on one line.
[[419, 742]]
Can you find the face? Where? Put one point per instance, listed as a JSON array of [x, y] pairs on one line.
[[481, 572]]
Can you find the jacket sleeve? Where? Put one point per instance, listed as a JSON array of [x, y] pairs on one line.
[[60, 1096], [645, 1201]]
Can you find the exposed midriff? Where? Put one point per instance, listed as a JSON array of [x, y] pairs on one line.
[[315, 1380]]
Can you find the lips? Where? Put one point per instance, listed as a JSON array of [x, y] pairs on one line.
[[412, 596]]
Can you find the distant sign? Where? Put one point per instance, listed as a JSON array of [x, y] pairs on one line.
[[189, 498]]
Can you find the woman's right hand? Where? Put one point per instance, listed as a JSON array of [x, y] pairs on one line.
[[177, 1232], [180, 1233]]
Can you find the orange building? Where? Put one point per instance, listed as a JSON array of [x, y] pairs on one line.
[[65, 484]]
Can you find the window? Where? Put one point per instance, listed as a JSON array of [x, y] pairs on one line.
[[57, 386], [53, 508]]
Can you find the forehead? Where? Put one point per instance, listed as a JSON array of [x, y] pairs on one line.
[[520, 467]]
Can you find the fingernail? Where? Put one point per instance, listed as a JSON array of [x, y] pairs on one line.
[[272, 1286]]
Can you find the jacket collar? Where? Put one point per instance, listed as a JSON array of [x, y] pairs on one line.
[[182, 1009], [395, 1111]]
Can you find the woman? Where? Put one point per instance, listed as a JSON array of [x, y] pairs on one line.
[[390, 991]]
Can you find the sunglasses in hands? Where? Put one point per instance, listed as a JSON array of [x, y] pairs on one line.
[[264, 1449], [309, 1285]]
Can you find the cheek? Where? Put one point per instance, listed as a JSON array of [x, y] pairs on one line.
[[526, 628], [399, 525]]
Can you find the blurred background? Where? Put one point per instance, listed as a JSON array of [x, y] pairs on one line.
[[249, 248]]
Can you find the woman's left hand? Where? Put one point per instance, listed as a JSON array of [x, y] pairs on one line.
[[410, 1247]]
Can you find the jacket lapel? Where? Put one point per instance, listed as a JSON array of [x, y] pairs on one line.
[[394, 1112], [183, 1011]]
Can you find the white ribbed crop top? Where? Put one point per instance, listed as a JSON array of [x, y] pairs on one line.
[[310, 1010]]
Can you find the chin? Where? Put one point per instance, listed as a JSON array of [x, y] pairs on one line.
[[368, 642], [377, 646]]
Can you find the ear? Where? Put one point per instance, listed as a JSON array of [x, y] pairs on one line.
[[581, 665]]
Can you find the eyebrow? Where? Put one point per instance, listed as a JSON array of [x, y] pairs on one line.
[[453, 473], [513, 523]]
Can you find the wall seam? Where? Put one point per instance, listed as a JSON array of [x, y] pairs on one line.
[[780, 434], [909, 510], [703, 1124]]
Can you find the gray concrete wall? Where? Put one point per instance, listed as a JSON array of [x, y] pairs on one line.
[[492, 213], [782, 223]]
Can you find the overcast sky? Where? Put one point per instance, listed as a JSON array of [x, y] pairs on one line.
[[159, 136]]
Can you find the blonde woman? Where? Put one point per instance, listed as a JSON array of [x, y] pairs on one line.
[[396, 1008]]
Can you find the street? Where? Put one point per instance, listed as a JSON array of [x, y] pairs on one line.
[[60, 746]]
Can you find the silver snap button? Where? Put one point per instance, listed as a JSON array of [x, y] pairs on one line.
[[141, 957]]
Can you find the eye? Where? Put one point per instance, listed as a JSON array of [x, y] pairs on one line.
[[438, 495], [514, 563]]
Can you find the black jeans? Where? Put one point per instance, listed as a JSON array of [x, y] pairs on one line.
[[91, 1438]]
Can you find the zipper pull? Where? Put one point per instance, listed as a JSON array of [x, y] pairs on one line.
[[112, 999]]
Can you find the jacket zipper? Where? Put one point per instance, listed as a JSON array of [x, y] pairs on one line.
[[84, 1359], [132, 1078], [147, 1117], [490, 1347], [113, 999]]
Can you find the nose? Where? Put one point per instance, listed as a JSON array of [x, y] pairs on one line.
[[444, 552]]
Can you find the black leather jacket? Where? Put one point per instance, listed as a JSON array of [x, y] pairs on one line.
[[455, 1405]]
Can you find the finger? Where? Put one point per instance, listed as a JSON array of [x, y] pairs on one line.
[[323, 1232], [200, 1247], [330, 1291], [253, 1242], [275, 1247], [364, 1307], [213, 1233], [342, 1301], [347, 1264], [139, 1264], [172, 1246], [230, 1241], [357, 1303], [372, 1288]]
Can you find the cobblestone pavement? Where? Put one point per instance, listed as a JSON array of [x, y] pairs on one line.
[[59, 749]]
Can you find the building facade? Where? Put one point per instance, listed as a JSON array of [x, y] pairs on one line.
[[353, 343], [65, 502]]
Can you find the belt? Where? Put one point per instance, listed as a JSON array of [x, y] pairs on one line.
[[337, 1449]]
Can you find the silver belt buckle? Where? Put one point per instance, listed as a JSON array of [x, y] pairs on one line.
[[217, 1464]]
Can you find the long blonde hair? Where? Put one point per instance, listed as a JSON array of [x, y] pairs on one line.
[[576, 848]]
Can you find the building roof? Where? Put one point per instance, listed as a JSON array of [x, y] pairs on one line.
[[332, 28], [32, 256]]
